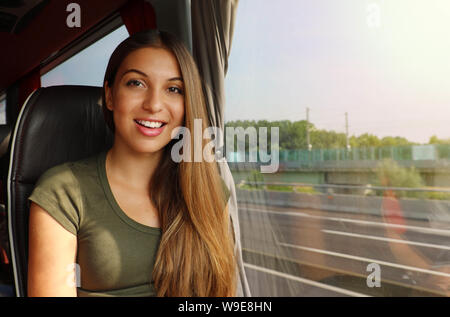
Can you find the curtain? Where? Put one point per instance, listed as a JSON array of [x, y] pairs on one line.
[[212, 33], [28, 84], [138, 15]]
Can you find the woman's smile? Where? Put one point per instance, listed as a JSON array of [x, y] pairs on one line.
[[150, 128]]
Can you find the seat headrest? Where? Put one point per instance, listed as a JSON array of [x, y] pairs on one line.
[[59, 124]]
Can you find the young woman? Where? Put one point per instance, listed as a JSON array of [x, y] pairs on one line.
[[132, 221]]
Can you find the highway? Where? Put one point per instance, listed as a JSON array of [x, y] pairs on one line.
[[305, 252]]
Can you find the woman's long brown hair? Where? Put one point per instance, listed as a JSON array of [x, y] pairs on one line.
[[196, 254]]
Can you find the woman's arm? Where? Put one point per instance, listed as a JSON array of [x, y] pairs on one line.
[[51, 256]]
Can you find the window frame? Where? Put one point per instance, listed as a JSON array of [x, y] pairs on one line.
[[96, 33]]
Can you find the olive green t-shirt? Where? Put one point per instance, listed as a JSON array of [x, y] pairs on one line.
[[115, 253]]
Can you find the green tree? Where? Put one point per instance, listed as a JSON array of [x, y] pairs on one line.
[[390, 174], [293, 136], [365, 140], [323, 139], [434, 140], [394, 141]]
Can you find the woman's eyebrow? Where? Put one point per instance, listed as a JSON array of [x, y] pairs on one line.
[[134, 70], [145, 75], [176, 79]]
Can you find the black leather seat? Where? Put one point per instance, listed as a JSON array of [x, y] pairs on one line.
[[56, 125]]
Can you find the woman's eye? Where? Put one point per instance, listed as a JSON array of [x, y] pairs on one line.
[[134, 82], [176, 90]]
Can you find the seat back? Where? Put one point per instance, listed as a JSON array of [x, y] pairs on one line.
[[56, 125]]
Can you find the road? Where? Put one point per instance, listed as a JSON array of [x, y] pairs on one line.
[[300, 252]]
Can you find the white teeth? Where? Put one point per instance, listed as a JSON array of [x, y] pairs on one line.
[[150, 124]]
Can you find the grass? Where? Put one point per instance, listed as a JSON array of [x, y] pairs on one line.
[[438, 196], [306, 190], [251, 187], [280, 188]]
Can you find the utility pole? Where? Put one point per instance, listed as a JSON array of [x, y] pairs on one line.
[[346, 132], [308, 141]]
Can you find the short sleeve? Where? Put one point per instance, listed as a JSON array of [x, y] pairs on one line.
[[57, 192]]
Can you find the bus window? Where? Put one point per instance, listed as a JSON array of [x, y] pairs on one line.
[[2, 109], [6, 282], [353, 199], [88, 66]]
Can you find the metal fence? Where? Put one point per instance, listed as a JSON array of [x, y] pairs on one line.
[[429, 152]]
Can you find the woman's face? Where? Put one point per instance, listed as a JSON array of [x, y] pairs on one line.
[[147, 100]]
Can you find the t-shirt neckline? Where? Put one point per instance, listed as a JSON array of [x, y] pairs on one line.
[[101, 165]]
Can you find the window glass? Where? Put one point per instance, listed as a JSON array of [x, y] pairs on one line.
[[88, 67], [6, 282], [2, 109], [359, 202]]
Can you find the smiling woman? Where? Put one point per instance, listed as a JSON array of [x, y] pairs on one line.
[[135, 222], [148, 99]]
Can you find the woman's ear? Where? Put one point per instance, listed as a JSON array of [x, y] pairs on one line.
[[108, 96]]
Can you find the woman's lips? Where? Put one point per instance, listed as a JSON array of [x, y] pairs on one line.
[[149, 131]]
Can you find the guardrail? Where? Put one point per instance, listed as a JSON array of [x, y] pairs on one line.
[[437, 212], [367, 187]]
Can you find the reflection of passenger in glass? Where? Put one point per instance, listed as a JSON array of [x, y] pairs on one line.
[[406, 254]]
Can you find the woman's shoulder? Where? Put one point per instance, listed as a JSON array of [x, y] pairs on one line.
[[68, 173], [59, 191], [57, 174]]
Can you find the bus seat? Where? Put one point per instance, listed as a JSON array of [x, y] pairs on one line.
[[56, 125]]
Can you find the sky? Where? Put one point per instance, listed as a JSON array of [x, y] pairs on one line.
[[384, 62], [87, 67]]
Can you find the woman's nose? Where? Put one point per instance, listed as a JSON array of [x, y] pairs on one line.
[[153, 101]]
